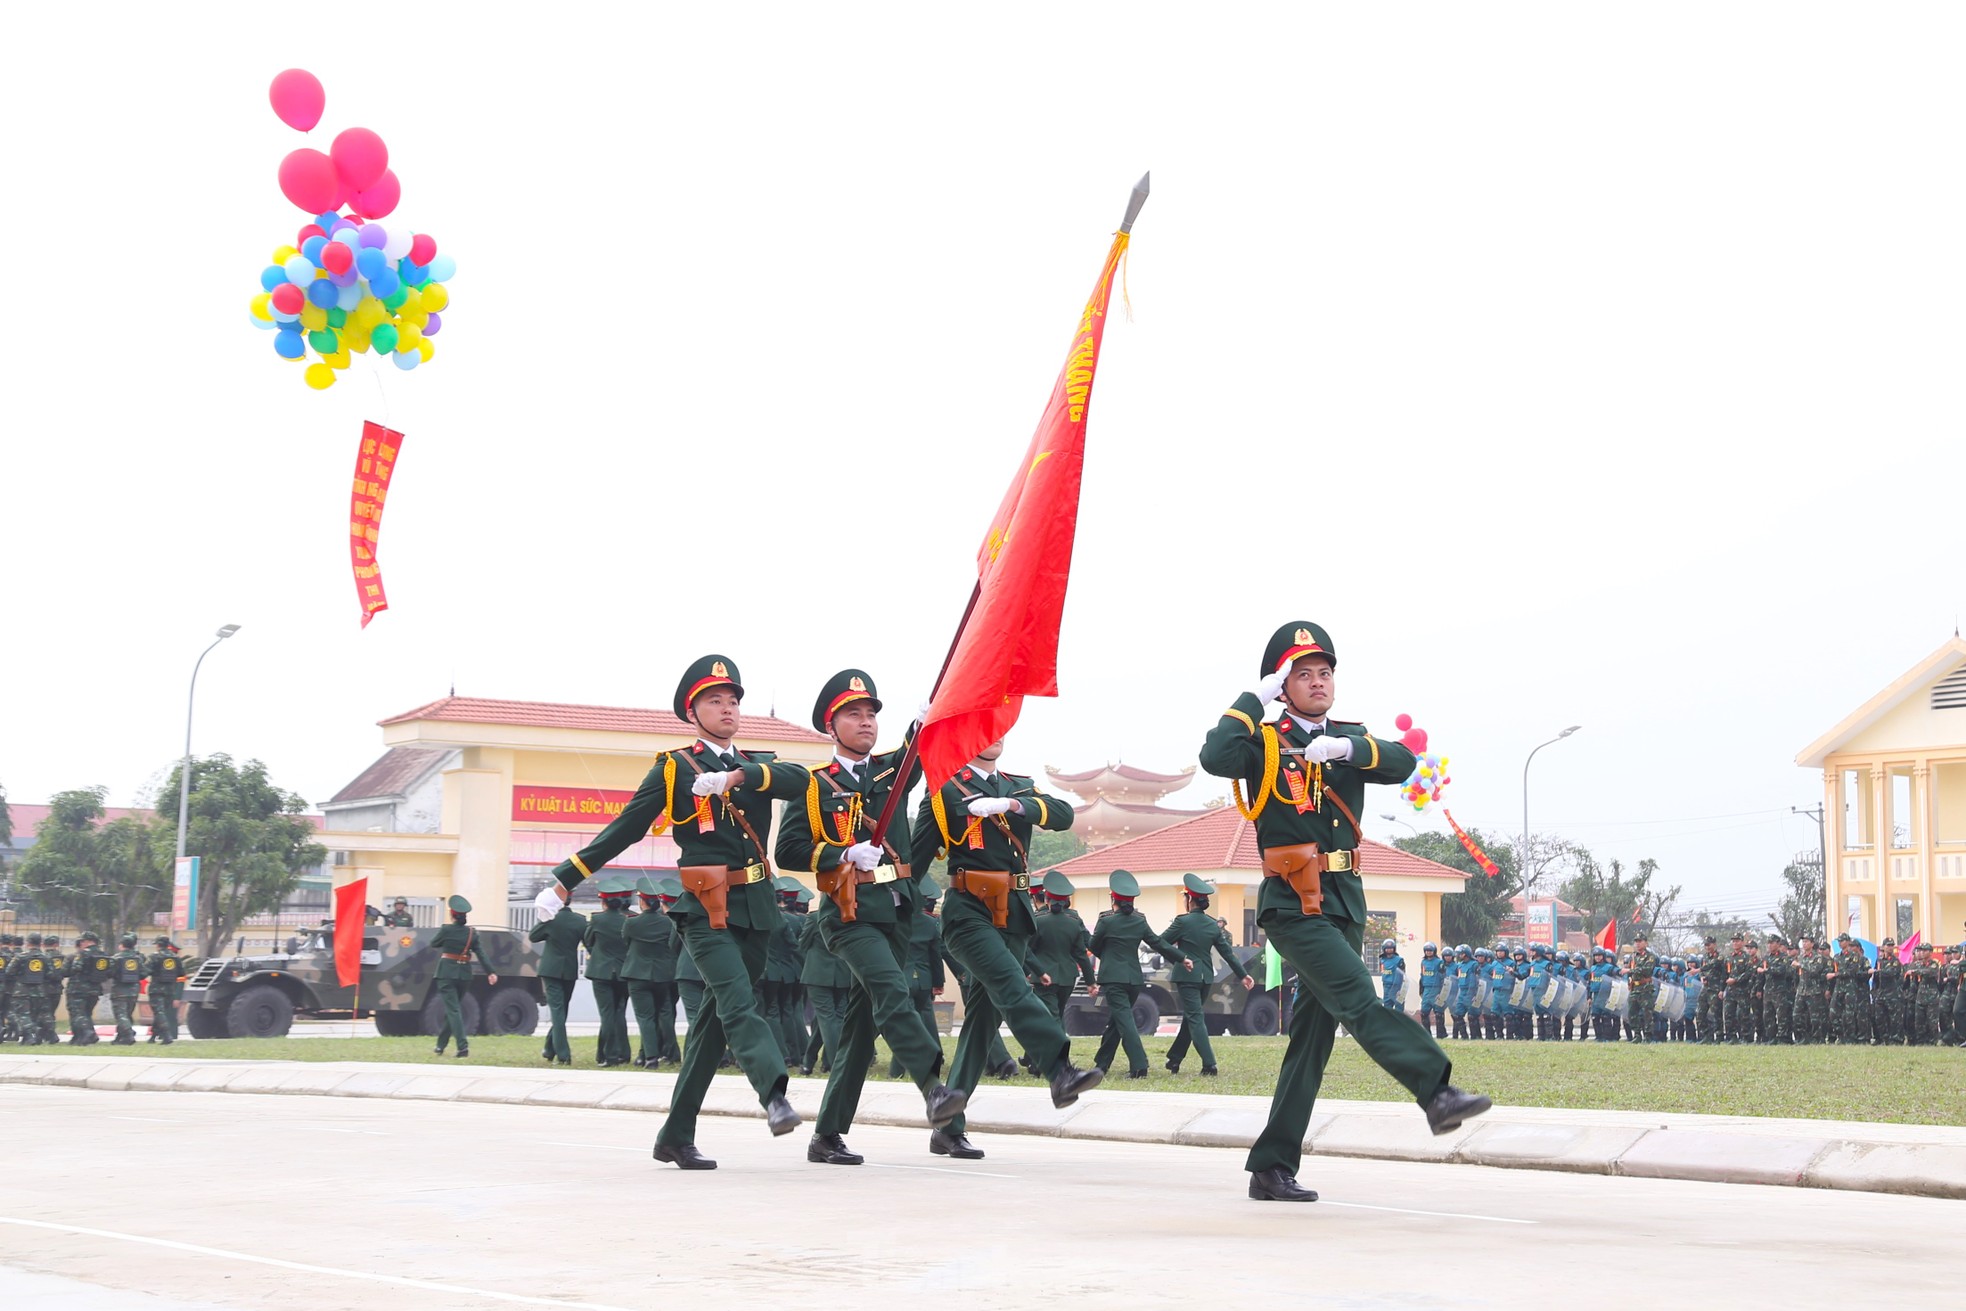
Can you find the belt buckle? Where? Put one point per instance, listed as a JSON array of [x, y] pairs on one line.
[[1340, 861], [886, 873], [754, 874], [1021, 882]]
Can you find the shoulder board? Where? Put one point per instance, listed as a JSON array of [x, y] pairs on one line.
[[1020, 780]]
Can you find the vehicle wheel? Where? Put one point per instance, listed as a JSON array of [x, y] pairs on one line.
[[1259, 1016], [260, 1011], [206, 1024], [400, 1024], [1083, 1021], [511, 1010], [1146, 1014], [433, 1014]]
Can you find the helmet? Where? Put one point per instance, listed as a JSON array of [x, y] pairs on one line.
[[1463, 949], [1678, 962], [1563, 958], [1519, 952], [1465, 952], [1386, 946], [1429, 946]]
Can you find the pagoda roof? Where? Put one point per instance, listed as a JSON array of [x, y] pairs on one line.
[[1128, 773]]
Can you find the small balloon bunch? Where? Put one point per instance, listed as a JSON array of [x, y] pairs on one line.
[[1429, 776], [348, 284]]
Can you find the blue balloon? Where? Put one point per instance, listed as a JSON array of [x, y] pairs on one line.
[[325, 220], [384, 284], [271, 277], [371, 261], [312, 248], [290, 345], [416, 275], [406, 360], [324, 293], [442, 268], [267, 324]]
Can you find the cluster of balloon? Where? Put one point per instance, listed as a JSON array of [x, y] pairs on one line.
[[348, 284], [1429, 776]]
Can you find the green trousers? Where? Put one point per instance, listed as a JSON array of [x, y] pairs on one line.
[[877, 1002], [1776, 1013], [1055, 996], [922, 1002], [829, 1005], [558, 993], [654, 1005], [123, 1005], [1887, 1015], [1809, 1008], [1120, 1028], [1638, 1011], [1740, 1014], [995, 991], [82, 1015], [1336, 989], [611, 999], [452, 991], [785, 1012], [163, 1012], [732, 962], [1194, 1028]]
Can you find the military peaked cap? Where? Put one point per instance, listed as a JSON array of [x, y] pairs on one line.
[[459, 904], [1057, 885], [1293, 641], [707, 672], [843, 689], [1123, 884], [1198, 885]]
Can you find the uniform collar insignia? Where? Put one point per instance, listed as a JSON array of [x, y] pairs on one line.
[[1283, 725], [698, 748], [967, 775]]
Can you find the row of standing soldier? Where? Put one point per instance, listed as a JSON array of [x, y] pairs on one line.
[[34, 972]]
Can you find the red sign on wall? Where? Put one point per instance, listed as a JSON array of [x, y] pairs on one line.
[[541, 805]]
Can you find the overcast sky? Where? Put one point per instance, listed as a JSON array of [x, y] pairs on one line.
[[1572, 365]]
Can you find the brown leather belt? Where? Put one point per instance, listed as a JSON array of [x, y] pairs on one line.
[[992, 887], [881, 874], [1302, 867], [459, 959]]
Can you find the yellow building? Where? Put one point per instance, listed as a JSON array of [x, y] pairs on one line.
[[1894, 804], [475, 795]]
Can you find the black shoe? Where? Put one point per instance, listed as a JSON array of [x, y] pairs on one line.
[[945, 1104], [1450, 1106], [463, 1052], [1136, 1074], [956, 1146], [1005, 1071], [1173, 1067], [566, 1060], [438, 1050], [685, 1156], [805, 1071], [780, 1116], [1209, 1072], [1070, 1081], [830, 1149], [1277, 1184]]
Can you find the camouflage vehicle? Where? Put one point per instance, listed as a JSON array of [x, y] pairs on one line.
[[1226, 1006], [258, 996]]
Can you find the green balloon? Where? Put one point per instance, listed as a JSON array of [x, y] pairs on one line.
[[394, 301], [324, 341], [337, 318], [383, 338]]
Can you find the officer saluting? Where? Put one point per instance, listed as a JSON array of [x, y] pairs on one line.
[[1195, 935], [1306, 776], [728, 911]]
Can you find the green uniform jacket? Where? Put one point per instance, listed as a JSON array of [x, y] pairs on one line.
[[1116, 939], [1713, 973], [57, 969], [1195, 934], [165, 969], [607, 944], [89, 970], [1852, 970], [399, 919], [126, 972], [27, 973], [782, 962], [456, 939], [1743, 971], [653, 941], [1235, 749], [1060, 948], [822, 969], [560, 936], [944, 826], [1888, 980], [816, 828], [665, 797], [1781, 977], [1813, 974]]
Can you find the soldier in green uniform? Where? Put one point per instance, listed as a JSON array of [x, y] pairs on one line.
[[1887, 1004], [649, 973], [1811, 992], [982, 820], [1922, 1001], [88, 975], [125, 981], [1850, 997], [1061, 948], [166, 970], [456, 943], [1305, 776], [1644, 990], [51, 987], [872, 900], [1778, 984], [1743, 978], [827, 982], [1950, 1017], [27, 972], [1195, 935], [1711, 1018], [559, 935], [607, 950], [399, 916], [7, 951], [1116, 938], [784, 1005], [718, 800]]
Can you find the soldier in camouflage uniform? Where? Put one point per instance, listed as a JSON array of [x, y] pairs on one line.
[[1922, 1008], [1644, 991], [25, 975], [1811, 992], [8, 948], [1887, 1000], [1850, 995], [1713, 993], [88, 973], [1778, 984], [51, 988], [166, 970], [1743, 976], [1950, 998]]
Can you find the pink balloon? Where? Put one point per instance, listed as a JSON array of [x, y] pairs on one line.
[[359, 158], [307, 179], [1403, 722], [336, 258], [298, 99], [423, 249], [379, 201], [1414, 739]]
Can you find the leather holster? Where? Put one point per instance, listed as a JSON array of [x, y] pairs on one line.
[[989, 886], [1300, 865], [709, 884], [844, 889]]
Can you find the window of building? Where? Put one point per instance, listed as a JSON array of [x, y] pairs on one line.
[[1856, 810], [1907, 917], [1904, 811], [1949, 693], [1853, 917], [1949, 801]]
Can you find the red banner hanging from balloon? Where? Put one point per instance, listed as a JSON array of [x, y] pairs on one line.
[[1470, 846], [374, 464]]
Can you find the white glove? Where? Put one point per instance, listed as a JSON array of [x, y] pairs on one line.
[[1272, 687], [864, 855], [1329, 747], [550, 899], [921, 712], [991, 805], [715, 783]]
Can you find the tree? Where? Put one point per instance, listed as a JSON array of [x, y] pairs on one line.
[[250, 839], [1804, 912], [1606, 892], [1470, 915], [1050, 849], [106, 877]]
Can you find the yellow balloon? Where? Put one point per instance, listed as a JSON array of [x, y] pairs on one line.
[[336, 360], [282, 254], [425, 350], [435, 297], [320, 376], [412, 301], [407, 336], [419, 319], [263, 306], [313, 317]]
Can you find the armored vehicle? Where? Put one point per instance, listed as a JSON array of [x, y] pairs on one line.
[[258, 996], [1226, 1006]]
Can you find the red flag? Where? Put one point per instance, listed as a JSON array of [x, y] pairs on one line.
[[350, 899], [375, 462], [1607, 937], [1009, 648]]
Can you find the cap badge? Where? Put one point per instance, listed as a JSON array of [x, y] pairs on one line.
[[719, 669], [1303, 637], [856, 684]]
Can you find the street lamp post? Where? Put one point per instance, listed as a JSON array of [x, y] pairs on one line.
[[1395, 819], [184, 770], [1522, 860]]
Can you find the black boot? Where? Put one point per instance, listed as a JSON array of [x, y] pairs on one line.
[[831, 1149], [956, 1146], [1448, 1108], [944, 1104], [1277, 1184], [1068, 1082]]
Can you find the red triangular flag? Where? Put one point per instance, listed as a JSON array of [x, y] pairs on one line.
[[1607, 937]]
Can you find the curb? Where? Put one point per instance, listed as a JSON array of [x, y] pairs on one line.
[[1917, 1160]]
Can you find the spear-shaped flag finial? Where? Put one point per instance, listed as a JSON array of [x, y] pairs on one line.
[[1134, 203]]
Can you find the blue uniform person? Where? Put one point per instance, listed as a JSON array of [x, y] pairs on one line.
[[1461, 982], [1392, 977], [1433, 979]]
